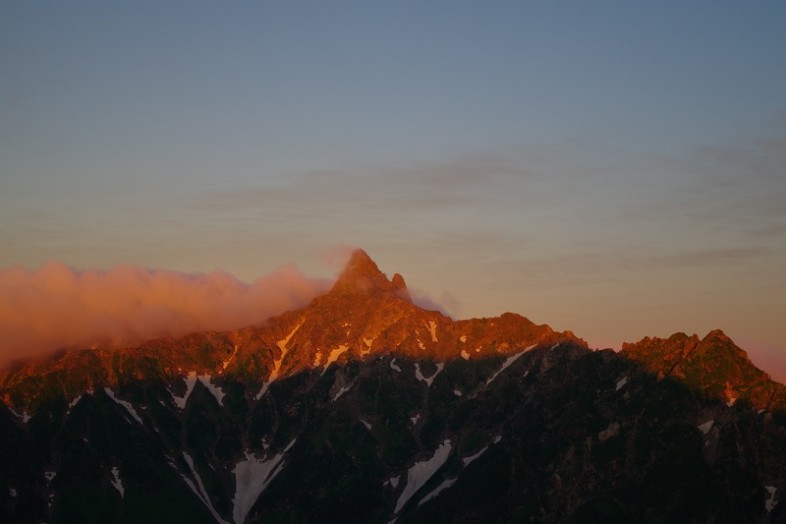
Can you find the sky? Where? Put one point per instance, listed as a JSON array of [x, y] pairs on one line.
[[613, 168]]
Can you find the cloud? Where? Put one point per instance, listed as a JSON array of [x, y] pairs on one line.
[[336, 257], [723, 189], [55, 306], [448, 305], [413, 188]]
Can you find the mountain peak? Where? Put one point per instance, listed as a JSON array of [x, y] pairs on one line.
[[714, 364], [362, 276], [360, 262], [717, 334]]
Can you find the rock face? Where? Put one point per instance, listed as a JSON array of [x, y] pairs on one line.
[[362, 407]]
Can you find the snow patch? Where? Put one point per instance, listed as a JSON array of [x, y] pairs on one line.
[[394, 481], [74, 402], [469, 460], [24, 415], [394, 366], [555, 346], [368, 342], [508, 361], [282, 345], [127, 405], [621, 383], [421, 472], [463, 338], [117, 482], [770, 503], [199, 489], [50, 475], [190, 382], [464, 355], [225, 363], [216, 391], [429, 380], [368, 426], [436, 491], [317, 359], [334, 354], [265, 386], [252, 476], [12, 492], [612, 431], [497, 439], [457, 392], [415, 419], [421, 345], [432, 328], [731, 401], [706, 427], [340, 392]]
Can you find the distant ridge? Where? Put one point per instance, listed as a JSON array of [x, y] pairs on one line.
[[714, 365]]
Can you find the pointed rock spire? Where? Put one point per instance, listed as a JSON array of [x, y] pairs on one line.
[[362, 276], [401, 286], [360, 264]]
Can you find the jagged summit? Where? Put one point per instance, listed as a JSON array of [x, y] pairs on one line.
[[717, 334], [366, 315], [363, 316], [362, 276], [713, 364]]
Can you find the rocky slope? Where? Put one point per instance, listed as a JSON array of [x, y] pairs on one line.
[[362, 407]]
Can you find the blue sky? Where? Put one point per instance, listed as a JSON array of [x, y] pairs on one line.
[[615, 168]]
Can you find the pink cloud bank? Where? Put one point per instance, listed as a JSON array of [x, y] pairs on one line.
[[55, 306]]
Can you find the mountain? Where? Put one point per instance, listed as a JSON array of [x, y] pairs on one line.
[[363, 407]]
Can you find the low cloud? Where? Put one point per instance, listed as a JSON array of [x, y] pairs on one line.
[[448, 305], [55, 306]]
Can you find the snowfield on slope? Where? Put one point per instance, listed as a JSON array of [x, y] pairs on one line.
[[428, 380], [127, 405], [282, 345], [508, 361], [191, 380], [421, 472], [252, 476]]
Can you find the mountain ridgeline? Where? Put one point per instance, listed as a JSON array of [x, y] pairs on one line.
[[363, 407]]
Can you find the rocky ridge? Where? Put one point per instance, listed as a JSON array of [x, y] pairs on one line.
[[362, 407], [363, 315], [714, 365]]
